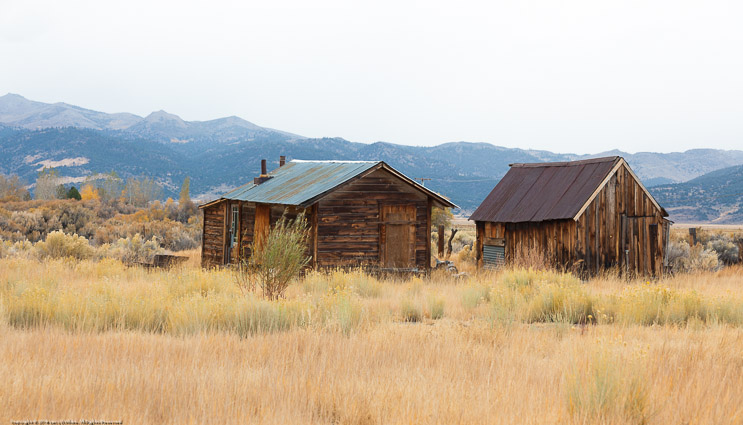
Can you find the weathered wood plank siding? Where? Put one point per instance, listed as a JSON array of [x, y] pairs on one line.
[[620, 228], [349, 225], [247, 221], [213, 243]]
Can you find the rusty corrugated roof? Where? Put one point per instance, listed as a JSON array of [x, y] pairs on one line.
[[302, 182], [544, 191]]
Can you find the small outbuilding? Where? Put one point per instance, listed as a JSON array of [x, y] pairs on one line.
[[360, 213], [582, 215]]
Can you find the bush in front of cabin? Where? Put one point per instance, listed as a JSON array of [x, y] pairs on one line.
[[280, 257]]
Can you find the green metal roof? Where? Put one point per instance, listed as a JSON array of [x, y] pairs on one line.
[[301, 182]]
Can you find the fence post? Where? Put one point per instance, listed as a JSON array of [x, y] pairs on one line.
[[441, 241]]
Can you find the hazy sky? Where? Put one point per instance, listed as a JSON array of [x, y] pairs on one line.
[[562, 75]]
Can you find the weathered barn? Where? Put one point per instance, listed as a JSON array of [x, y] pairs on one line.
[[587, 215], [359, 212]]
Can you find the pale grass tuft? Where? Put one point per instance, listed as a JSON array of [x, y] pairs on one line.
[[607, 382]]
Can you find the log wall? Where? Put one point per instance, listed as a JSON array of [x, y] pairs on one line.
[[213, 242], [349, 225]]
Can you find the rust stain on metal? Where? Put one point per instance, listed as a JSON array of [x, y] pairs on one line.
[[544, 191]]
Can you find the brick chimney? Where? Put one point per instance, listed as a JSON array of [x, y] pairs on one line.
[[264, 174], [282, 160]]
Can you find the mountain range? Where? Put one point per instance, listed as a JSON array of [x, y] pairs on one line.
[[223, 153]]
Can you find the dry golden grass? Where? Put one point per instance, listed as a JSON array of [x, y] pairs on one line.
[[393, 373], [98, 340]]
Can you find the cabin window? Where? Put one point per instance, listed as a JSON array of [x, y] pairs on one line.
[[493, 256], [235, 219]]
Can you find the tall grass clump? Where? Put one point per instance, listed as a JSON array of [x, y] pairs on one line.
[[410, 311], [475, 294], [605, 385], [531, 295], [357, 280], [255, 316], [555, 302], [657, 305], [435, 307], [339, 310]]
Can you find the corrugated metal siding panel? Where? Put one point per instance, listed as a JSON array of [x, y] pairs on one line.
[[493, 256], [544, 191]]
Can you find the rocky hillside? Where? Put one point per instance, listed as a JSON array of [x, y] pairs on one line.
[[223, 153], [715, 197]]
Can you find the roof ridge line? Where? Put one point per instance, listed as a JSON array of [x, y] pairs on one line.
[[335, 161], [565, 163]]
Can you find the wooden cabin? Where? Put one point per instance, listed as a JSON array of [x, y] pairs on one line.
[[361, 213], [587, 215]]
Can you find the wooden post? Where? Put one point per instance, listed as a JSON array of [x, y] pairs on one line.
[[203, 235], [239, 230], [479, 230], [225, 235], [315, 209], [429, 209], [441, 241], [693, 235]]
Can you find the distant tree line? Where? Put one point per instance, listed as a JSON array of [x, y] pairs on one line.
[[138, 192], [12, 189]]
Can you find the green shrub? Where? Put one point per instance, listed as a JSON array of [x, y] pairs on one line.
[[725, 248], [132, 249], [685, 258], [281, 257]]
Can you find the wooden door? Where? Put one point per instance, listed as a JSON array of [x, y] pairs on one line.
[[397, 237], [640, 246], [262, 224]]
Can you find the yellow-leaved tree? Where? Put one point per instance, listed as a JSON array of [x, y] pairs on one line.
[[89, 192]]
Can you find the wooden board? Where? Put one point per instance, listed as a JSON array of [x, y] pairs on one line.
[[262, 224]]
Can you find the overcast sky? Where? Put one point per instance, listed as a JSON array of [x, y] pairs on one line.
[[567, 76]]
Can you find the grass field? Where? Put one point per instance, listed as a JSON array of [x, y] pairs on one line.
[[99, 340]]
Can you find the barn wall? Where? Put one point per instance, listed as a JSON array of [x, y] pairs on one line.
[[554, 240], [621, 217], [213, 242], [348, 221]]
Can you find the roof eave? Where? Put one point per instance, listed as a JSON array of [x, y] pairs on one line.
[[443, 202], [209, 204]]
